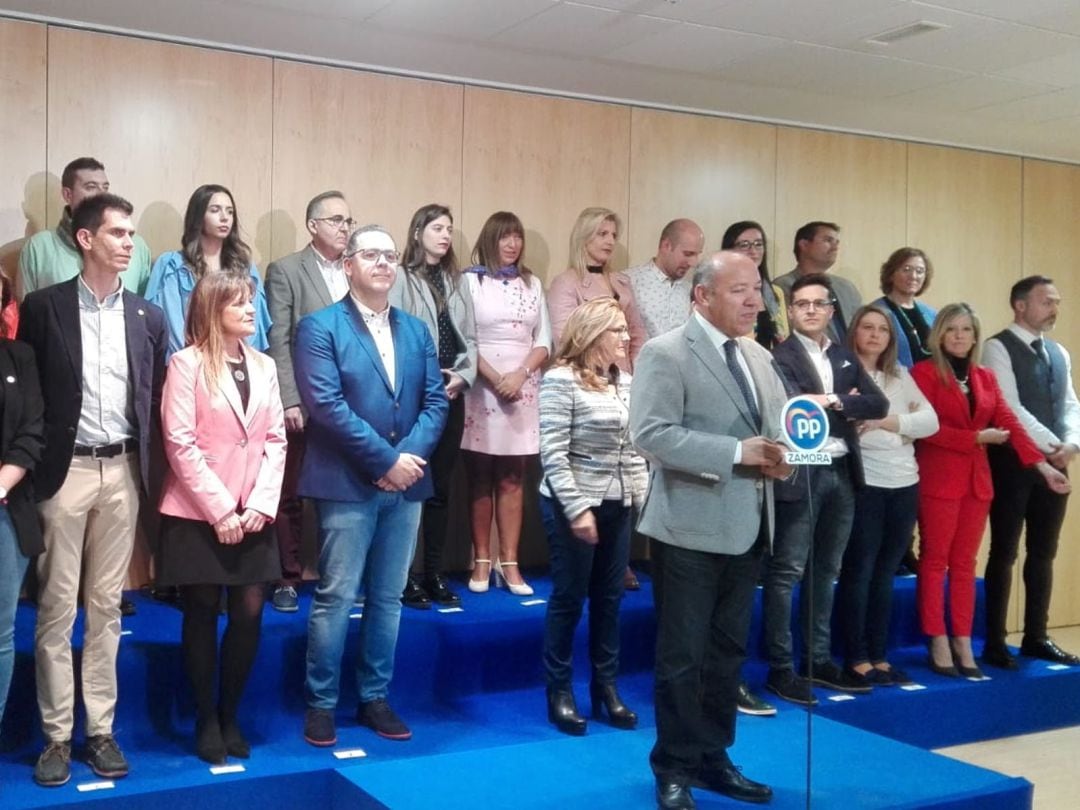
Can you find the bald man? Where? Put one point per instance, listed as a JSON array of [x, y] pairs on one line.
[[662, 286]]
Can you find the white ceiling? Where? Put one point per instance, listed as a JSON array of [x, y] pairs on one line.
[[1003, 75]]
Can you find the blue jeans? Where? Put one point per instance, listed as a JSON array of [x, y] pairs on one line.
[[12, 570], [881, 534], [823, 519], [580, 570], [373, 542]]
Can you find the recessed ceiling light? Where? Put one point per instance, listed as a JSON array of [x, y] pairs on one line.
[[895, 35]]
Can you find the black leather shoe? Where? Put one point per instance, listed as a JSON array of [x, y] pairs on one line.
[[414, 596], [949, 671], [998, 655], [671, 795], [729, 781], [440, 593], [127, 607], [563, 713], [1047, 650], [606, 696]]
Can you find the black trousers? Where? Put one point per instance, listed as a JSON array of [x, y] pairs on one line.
[[703, 608], [437, 507], [1021, 497]]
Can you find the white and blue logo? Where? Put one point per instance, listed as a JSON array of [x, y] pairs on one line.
[[805, 427]]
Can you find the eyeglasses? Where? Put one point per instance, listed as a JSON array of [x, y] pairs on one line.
[[620, 330], [912, 270], [746, 244], [805, 306], [374, 254], [337, 222]]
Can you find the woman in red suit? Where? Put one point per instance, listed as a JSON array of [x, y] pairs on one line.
[[954, 481], [224, 433]]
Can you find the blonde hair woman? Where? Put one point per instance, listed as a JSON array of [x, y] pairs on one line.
[[592, 478]]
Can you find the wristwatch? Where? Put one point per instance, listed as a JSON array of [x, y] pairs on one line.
[[833, 401]]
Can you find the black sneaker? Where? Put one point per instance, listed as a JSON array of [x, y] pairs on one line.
[[53, 767], [104, 757], [284, 599], [829, 675], [377, 714], [414, 596], [319, 728], [789, 686], [749, 703], [439, 591], [127, 607]]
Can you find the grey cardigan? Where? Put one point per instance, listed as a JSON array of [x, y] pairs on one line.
[[585, 443], [413, 295]]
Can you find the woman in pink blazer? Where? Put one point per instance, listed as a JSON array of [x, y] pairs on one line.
[[955, 488], [224, 436]]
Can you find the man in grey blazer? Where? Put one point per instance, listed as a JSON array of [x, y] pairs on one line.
[[705, 412], [297, 285]]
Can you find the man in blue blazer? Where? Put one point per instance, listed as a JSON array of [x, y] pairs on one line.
[[368, 375], [817, 514]]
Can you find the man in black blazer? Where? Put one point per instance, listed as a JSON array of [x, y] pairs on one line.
[[101, 359], [815, 509]]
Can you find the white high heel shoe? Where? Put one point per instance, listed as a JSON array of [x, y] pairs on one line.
[[480, 585], [523, 589]]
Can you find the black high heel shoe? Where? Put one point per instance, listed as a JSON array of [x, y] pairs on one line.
[[209, 745], [607, 696], [563, 713]]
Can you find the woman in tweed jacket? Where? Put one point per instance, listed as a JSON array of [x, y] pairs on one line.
[[592, 478]]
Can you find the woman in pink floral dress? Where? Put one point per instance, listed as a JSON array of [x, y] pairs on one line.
[[502, 420]]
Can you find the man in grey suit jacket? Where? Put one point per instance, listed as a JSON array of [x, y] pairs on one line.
[[705, 411], [297, 285], [817, 244]]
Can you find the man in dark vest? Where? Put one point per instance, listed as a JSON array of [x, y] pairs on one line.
[[1035, 375]]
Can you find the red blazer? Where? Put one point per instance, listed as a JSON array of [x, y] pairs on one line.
[[951, 464], [220, 456]]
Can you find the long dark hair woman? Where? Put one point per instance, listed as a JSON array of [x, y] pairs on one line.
[[211, 243], [592, 479], [224, 431], [748, 237], [429, 286]]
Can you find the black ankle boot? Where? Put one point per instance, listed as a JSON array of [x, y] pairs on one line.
[[563, 713], [606, 695], [209, 746]]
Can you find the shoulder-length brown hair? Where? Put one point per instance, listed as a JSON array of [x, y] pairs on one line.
[[886, 362], [578, 347], [486, 251], [946, 314], [212, 294], [585, 227], [898, 259]]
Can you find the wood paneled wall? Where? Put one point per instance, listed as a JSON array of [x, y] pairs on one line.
[[165, 118]]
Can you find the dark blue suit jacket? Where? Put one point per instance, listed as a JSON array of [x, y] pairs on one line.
[[869, 403], [357, 424]]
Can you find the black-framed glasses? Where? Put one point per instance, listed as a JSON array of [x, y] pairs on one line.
[[337, 222], [747, 244], [806, 305], [374, 254]]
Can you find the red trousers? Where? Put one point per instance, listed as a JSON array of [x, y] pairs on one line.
[[950, 531]]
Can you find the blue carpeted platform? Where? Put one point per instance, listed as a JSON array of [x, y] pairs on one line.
[[470, 685]]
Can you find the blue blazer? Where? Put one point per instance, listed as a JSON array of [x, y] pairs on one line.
[[357, 424]]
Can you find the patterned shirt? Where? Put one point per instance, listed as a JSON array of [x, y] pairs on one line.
[[664, 302]]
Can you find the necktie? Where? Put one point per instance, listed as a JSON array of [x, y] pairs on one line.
[[1040, 352], [732, 358]]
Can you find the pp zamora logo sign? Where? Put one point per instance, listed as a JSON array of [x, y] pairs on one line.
[[805, 426]]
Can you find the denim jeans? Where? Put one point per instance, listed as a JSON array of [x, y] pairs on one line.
[[580, 570], [881, 534], [373, 542], [12, 570], [823, 519]]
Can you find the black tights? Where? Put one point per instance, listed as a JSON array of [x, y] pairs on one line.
[[238, 645]]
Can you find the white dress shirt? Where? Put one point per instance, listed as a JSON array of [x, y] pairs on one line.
[[333, 274], [835, 447], [378, 323], [718, 340], [108, 410]]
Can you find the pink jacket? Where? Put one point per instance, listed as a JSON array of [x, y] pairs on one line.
[[568, 290], [221, 457]]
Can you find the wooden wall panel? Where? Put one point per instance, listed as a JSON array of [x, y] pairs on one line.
[[1051, 244], [712, 170], [545, 159], [163, 119], [858, 183], [390, 144], [22, 137]]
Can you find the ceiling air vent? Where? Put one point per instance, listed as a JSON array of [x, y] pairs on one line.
[[905, 32]]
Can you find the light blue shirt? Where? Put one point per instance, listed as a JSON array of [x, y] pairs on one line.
[[108, 412], [170, 286]]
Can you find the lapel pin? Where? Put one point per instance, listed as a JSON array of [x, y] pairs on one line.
[[141, 312], [9, 379]]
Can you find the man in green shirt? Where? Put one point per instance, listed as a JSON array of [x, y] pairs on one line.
[[50, 257]]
